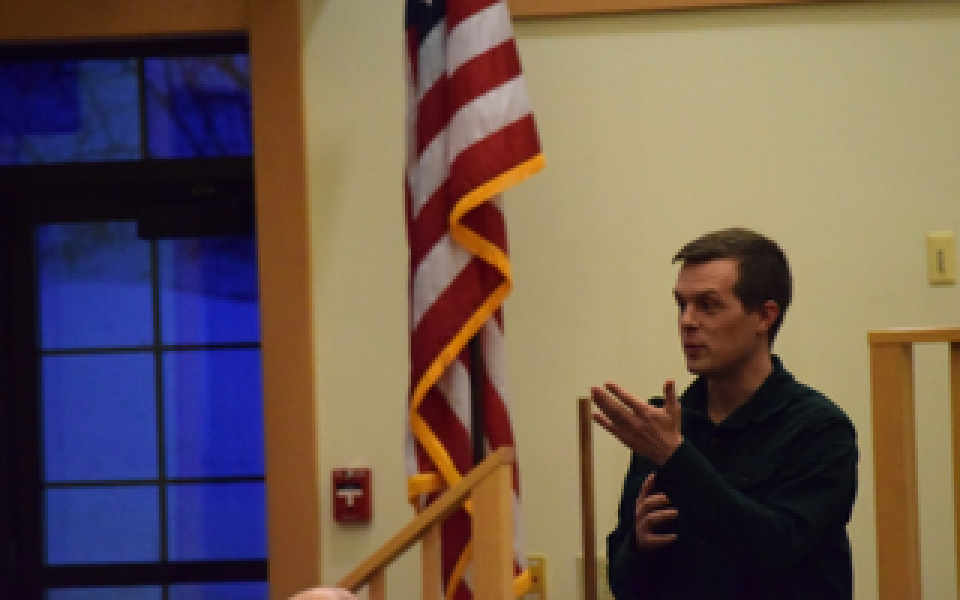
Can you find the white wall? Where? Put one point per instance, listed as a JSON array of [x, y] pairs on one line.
[[834, 129]]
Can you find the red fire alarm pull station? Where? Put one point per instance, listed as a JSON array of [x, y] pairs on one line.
[[352, 496]]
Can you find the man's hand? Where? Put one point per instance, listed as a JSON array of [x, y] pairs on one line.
[[653, 509], [651, 432]]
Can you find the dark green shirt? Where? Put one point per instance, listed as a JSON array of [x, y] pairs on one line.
[[763, 497]]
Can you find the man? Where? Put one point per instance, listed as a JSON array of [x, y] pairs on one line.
[[741, 488]]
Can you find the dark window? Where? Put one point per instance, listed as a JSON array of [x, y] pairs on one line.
[[68, 110], [129, 326], [198, 106], [121, 109]]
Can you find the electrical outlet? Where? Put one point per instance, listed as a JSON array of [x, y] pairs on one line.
[[941, 258], [603, 589], [537, 565]]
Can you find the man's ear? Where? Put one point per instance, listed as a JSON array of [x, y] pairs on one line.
[[768, 313]]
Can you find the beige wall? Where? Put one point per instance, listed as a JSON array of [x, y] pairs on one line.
[[834, 129]]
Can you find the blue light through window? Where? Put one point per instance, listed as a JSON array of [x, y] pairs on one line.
[[198, 107], [69, 111], [149, 394], [108, 593], [90, 110]]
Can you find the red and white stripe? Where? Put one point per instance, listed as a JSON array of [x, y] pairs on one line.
[[470, 135]]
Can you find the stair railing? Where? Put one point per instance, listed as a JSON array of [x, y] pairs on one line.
[[490, 486]]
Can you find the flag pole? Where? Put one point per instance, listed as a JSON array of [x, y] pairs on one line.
[[477, 397]]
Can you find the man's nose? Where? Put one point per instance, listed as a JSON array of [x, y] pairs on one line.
[[687, 317]]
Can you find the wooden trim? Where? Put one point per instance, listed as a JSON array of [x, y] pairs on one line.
[[290, 414], [437, 511], [914, 335], [955, 434], [492, 526], [46, 20], [283, 248], [378, 586], [588, 519], [557, 8], [895, 452], [895, 472], [430, 563]]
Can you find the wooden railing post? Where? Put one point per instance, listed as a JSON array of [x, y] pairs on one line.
[[895, 460], [493, 535], [955, 431], [377, 588], [587, 516], [430, 567], [895, 453]]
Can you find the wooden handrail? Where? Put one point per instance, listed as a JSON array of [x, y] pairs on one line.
[[442, 507], [914, 335], [895, 452]]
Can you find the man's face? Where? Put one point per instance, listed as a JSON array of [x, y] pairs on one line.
[[718, 335]]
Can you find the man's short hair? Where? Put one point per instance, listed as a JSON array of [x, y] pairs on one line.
[[762, 270]]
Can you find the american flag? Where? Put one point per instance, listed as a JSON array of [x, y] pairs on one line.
[[470, 136]]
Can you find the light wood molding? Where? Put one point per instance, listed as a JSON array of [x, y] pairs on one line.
[[46, 20], [558, 8], [286, 305]]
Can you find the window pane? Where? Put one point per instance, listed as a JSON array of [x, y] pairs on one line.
[[40, 97], [254, 590], [213, 411], [198, 107], [68, 111], [102, 525], [217, 521], [94, 285], [106, 593], [209, 290], [99, 417]]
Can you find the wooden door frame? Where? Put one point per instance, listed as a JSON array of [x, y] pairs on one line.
[[283, 236]]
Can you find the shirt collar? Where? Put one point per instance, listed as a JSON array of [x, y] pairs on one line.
[[771, 396]]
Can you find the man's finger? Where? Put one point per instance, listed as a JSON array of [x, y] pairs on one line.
[[658, 499], [658, 540], [647, 486], [623, 396], [644, 495], [603, 400], [615, 412], [602, 420], [670, 401], [657, 517]]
